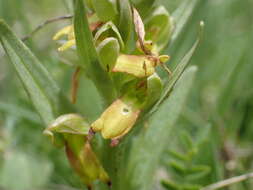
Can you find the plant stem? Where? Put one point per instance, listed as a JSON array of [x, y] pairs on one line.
[[228, 182], [49, 21]]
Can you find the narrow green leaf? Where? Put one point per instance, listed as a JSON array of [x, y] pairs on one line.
[[181, 16], [177, 167], [190, 187], [178, 71], [89, 59], [146, 150], [105, 9], [169, 185], [144, 6], [108, 51], [197, 171], [125, 25], [42, 89], [178, 156], [186, 141]]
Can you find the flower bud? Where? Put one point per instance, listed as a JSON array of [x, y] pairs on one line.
[[72, 131], [164, 58], [117, 119], [67, 124], [69, 31]]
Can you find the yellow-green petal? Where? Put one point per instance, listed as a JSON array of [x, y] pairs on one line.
[[136, 65]]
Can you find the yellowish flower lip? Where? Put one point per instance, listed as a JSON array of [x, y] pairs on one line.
[[117, 120]]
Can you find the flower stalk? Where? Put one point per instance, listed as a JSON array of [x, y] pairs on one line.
[[130, 64]]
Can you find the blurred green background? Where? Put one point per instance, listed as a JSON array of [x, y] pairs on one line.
[[214, 131]]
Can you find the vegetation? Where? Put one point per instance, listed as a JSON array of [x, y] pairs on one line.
[[125, 95]]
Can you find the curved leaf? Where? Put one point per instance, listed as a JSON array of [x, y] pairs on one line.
[[126, 23], [42, 89], [108, 30], [108, 51], [181, 16], [179, 70], [105, 9], [146, 150]]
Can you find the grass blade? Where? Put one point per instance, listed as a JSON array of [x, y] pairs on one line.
[[178, 71], [182, 15]]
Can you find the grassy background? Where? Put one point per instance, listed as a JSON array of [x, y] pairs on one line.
[[217, 122]]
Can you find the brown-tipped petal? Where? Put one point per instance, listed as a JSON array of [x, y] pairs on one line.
[[140, 31], [139, 26], [90, 134]]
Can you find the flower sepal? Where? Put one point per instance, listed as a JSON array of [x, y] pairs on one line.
[[72, 131]]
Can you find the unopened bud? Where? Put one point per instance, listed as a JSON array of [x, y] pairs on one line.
[[72, 130], [116, 120], [164, 58]]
